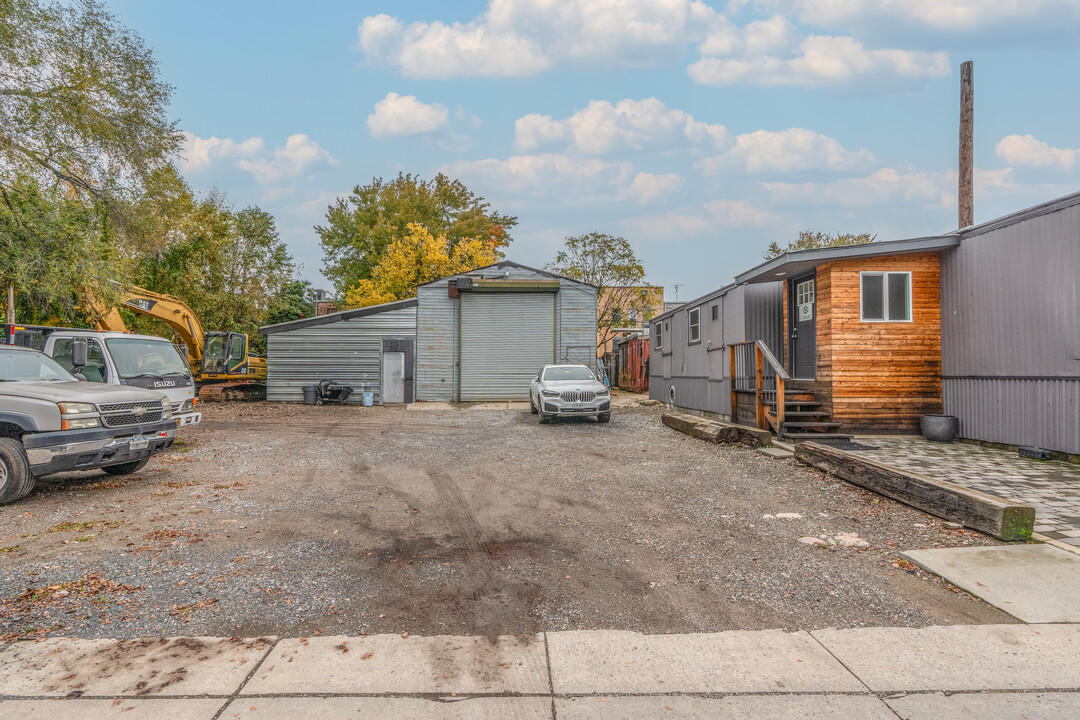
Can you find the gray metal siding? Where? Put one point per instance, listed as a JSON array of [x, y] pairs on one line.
[[505, 339], [1010, 309], [437, 372], [699, 371], [436, 344], [577, 323], [349, 352]]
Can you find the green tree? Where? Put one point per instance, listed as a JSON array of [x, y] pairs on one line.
[[81, 103], [231, 267], [359, 228], [295, 302], [609, 263], [52, 247], [810, 240]]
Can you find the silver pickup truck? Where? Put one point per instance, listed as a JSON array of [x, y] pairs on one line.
[[50, 422]]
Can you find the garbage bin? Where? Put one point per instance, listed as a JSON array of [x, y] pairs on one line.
[[311, 394], [367, 399]]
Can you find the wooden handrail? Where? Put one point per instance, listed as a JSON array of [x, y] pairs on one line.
[[766, 369]]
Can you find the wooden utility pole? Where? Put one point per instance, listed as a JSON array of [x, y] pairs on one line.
[[966, 198], [11, 304]]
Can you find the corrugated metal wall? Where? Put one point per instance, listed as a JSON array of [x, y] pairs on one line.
[[437, 334], [1010, 322], [436, 344], [347, 351], [699, 371]]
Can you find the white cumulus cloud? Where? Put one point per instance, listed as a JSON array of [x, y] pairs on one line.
[[397, 115], [953, 16], [738, 213], [884, 186], [197, 152], [524, 37], [1026, 150], [544, 175], [299, 154], [629, 124], [646, 187], [787, 151], [818, 60]]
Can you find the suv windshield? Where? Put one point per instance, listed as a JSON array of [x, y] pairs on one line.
[[22, 366], [574, 372], [136, 356]]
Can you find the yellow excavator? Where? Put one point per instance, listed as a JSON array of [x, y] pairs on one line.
[[220, 362]]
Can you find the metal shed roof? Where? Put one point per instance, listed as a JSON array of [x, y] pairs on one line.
[[337, 316], [510, 263], [795, 263]]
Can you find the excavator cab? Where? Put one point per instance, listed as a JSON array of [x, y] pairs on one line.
[[225, 353]]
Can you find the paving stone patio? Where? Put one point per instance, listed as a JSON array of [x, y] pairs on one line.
[[1051, 487]]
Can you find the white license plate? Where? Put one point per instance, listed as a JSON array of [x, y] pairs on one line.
[[138, 443], [579, 406]]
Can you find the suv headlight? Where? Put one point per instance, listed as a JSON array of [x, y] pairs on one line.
[[76, 408], [602, 393], [166, 409], [549, 393]]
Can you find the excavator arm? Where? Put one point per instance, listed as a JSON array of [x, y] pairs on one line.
[[171, 311]]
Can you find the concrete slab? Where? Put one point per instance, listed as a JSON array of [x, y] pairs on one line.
[[156, 709], [980, 706], [1035, 583], [758, 707], [775, 453], [150, 666], [960, 657], [392, 664], [590, 661], [398, 708]]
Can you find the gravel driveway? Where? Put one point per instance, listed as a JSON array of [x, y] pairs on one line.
[[296, 521]]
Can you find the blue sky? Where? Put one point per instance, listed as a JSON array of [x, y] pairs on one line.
[[700, 132]]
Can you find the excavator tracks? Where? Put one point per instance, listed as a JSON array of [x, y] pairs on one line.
[[232, 392]]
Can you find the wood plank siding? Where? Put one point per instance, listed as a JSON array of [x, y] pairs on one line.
[[877, 376]]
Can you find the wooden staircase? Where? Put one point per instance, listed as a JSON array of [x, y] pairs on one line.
[[804, 418]]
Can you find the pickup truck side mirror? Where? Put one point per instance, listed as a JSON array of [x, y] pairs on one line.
[[78, 355]]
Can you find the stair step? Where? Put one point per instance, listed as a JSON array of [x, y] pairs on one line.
[[796, 403], [811, 425], [796, 437], [806, 413]]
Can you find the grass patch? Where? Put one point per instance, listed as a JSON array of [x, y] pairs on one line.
[[86, 525], [11, 549], [181, 446]]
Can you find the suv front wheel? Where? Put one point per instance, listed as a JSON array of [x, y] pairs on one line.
[[16, 480]]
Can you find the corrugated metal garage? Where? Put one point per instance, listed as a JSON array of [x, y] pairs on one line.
[[484, 334], [349, 347]]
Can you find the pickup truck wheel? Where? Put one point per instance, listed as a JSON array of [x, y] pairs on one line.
[[126, 468], [16, 480]]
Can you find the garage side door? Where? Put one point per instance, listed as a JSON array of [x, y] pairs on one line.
[[505, 339]]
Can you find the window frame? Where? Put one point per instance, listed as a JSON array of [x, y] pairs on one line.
[[692, 326], [884, 275], [716, 312], [659, 335]]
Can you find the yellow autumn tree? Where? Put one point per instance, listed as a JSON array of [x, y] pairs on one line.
[[417, 258]]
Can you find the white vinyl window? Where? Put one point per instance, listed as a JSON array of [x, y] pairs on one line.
[[694, 325], [804, 292], [885, 296]]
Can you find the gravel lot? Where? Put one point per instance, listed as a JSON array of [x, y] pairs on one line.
[[296, 521]]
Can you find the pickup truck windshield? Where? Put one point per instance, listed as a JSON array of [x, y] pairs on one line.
[[568, 373], [136, 356], [23, 366]]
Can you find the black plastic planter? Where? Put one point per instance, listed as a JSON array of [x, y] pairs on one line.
[[940, 428]]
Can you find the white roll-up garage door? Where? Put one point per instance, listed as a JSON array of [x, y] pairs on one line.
[[505, 339]]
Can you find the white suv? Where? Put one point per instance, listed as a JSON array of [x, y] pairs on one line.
[[563, 390]]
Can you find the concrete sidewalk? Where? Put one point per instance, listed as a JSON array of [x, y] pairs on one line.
[[988, 671]]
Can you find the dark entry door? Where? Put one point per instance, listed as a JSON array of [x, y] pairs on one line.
[[803, 333]]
